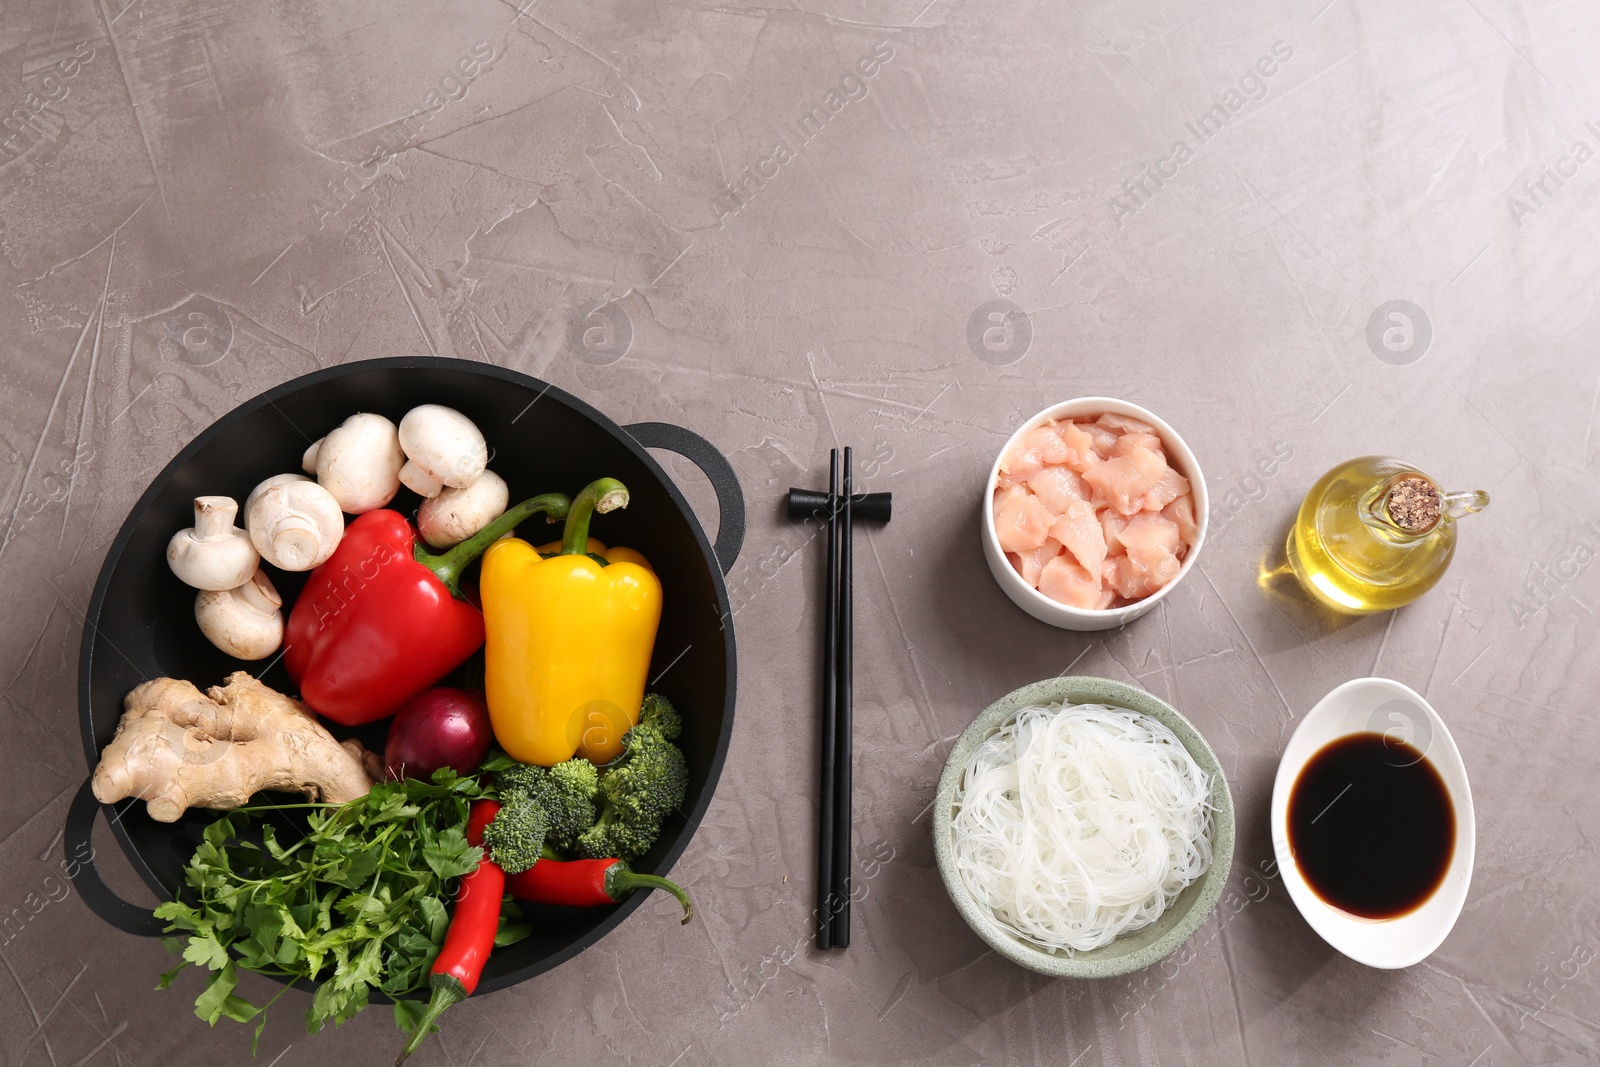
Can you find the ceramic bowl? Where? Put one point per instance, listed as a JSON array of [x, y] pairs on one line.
[[1378, 705], [1130, 952], [1054, 612]]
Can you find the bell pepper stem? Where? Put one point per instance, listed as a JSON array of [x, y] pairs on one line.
[[622, 880], [449, 565], [447, 991], [601, 496]]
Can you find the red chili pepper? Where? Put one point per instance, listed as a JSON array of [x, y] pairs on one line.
[[470, 939], [381, 620], [585, 883]]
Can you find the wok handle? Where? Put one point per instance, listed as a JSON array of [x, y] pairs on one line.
[[77, 843], [703, 454]]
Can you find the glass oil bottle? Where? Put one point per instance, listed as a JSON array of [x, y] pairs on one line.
[[1374, 534]]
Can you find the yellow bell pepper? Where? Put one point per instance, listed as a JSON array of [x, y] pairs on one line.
[[568, 639]]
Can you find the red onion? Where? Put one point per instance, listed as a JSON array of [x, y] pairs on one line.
[[440, 727]]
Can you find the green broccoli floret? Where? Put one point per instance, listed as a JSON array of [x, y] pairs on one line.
[[638, 792], [565, 792], [659, 715], [518, 778], [516, 835]]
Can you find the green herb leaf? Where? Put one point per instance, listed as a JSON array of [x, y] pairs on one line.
[[449, 855], [325, 1005], [206, 951], [434, 917], [408, 1015], [182, 917], [269, 840], [498, 761], [366, 968], [209, 1005], [166, 978], [220, 832], [238, 1009], [512, 932]]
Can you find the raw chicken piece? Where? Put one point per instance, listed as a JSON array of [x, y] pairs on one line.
[[1124, 424], [1057, 486], [1152, 467], [1171, 486], [1018, 464], [1029, 564], [1139, 440], [1162, 566], [1123, 577], [1181, 511], [1064, 581], [1079, 530], [1144, 571], [1105, 442], [1021, 523], [1038, 447], [1080, 446], [1005, 493], [1113, 525], [1108, 596], [1148, 531], [1120, 483], [1047, 443]]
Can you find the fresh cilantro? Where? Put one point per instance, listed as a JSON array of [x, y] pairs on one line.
[[358, 904]]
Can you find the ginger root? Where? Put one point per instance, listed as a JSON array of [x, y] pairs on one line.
[[177, 748]]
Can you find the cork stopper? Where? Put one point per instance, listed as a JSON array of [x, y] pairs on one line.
[[1414, 504]]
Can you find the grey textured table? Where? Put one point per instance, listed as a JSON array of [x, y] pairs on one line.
[[783, 228]]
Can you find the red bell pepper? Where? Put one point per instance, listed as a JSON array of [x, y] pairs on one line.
[[383, 619]]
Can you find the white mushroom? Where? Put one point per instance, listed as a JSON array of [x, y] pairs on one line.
[[277, 479], [294, 523], [255, 494], [214, 553], [443, 448], [359, 463], [308, 458], [456, 514], [246, 622]]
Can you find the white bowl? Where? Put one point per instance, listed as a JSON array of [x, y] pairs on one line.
[[1130, 951], [1054, 612], [1379, 705]]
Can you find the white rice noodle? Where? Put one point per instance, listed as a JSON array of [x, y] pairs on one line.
[[1076, 824]]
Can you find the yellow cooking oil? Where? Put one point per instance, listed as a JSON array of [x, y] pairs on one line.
[[1375, 533]]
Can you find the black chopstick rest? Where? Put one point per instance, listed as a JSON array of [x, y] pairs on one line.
[[874, 507], [841, 508]]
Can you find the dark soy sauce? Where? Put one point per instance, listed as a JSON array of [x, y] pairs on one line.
[[1371, 826]]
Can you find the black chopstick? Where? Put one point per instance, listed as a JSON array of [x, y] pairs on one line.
[[830, 707], [843, 727]]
